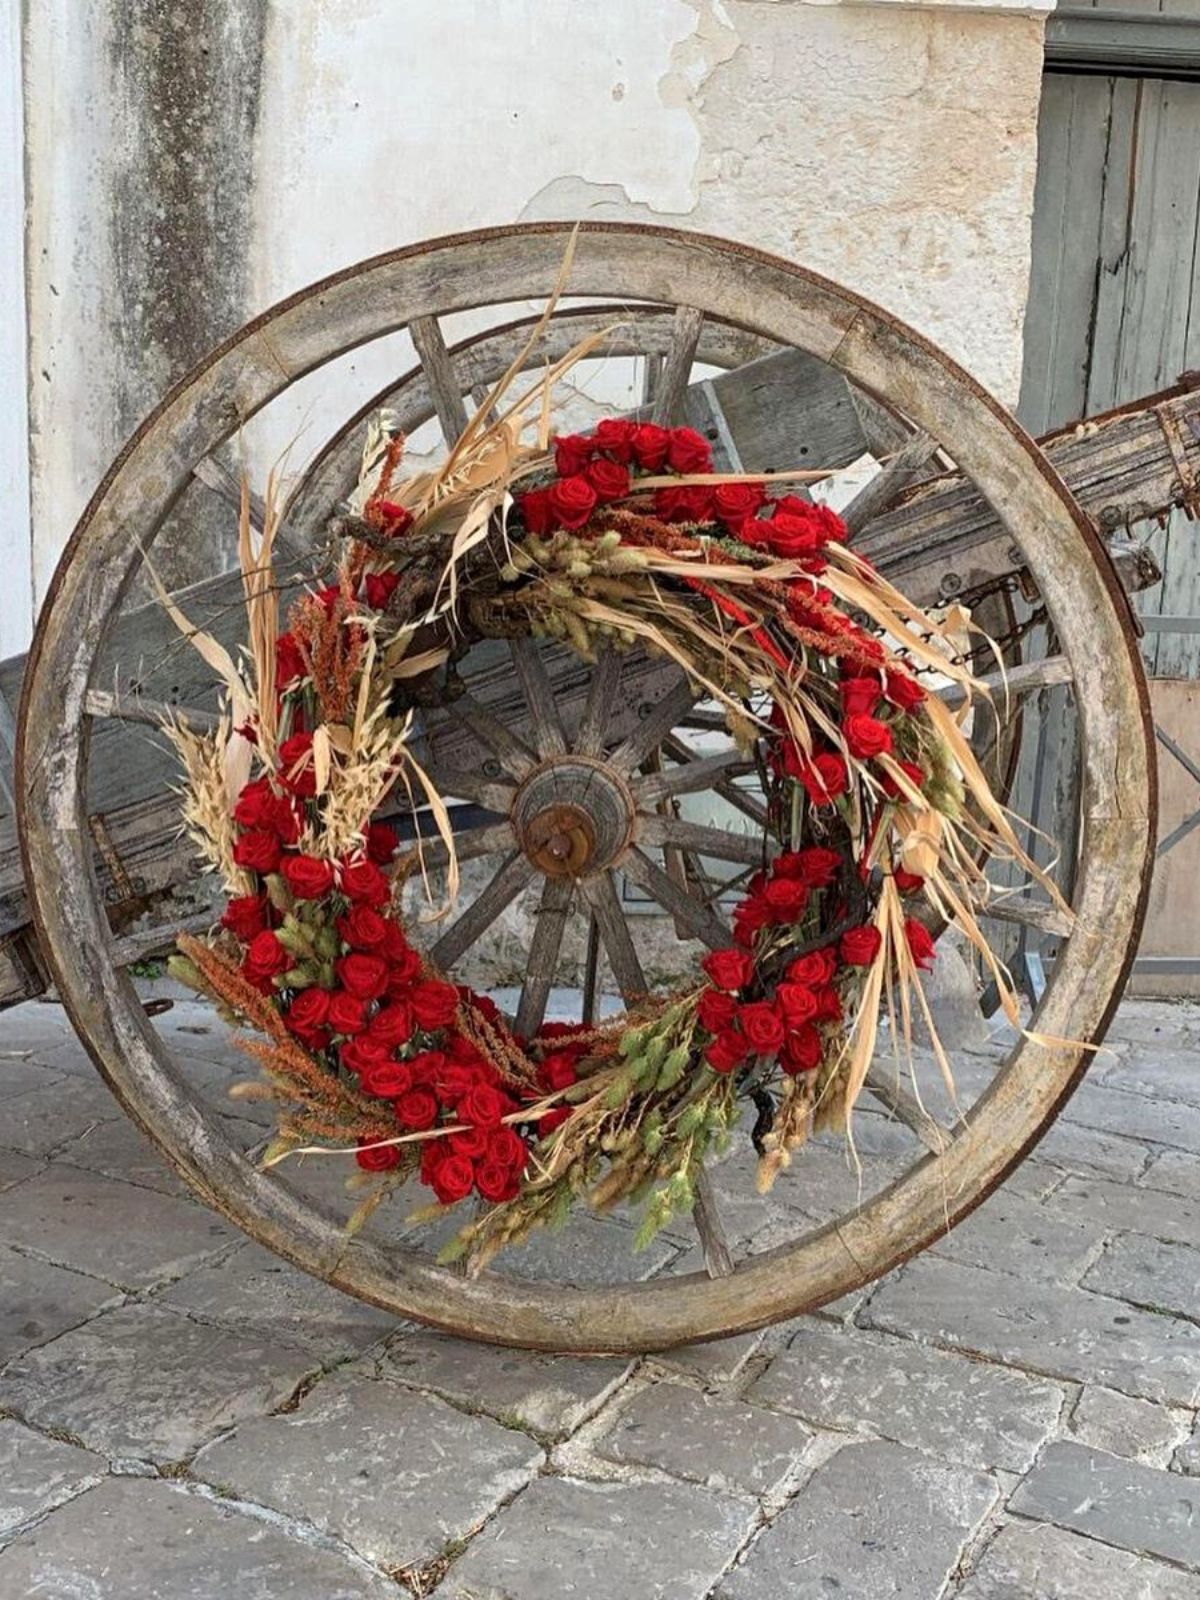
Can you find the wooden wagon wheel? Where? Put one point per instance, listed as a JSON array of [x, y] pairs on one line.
[[770, 299]]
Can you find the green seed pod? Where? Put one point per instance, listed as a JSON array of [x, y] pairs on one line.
[[327, 943], [509, 573], [186, 972], [579, 568], [673, 1067], [690, 1118]]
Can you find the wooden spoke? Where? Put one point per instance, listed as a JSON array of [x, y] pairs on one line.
[[700, 922], [1032, 914], [494, 794], [720, 843], [740, 799], [718, 1257], [513, 754], [1019, 680], [447, 397], [691, 775], [652, 731], [102, 703], [591, 972], [539, 697], [512, 877], [704, 721], [589, 740], [677, 367], [882, 1085], [600, 892], [469, 845], [543, 954], [875, 497]]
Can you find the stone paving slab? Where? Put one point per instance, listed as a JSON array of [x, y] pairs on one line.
[[1176, 1171], [133, 1540], [1148, 1272], [150, 1385], [1066, 1333], [39, 1301], [1119, 1502], [1011, 1234], [15, 1168], [552, 1395], [944, 1404], [1043, 1563], [1091, 1153], [120, 1150], [877, 1520], [20, 1073], [37, 1474], [396, 1475], [256, 1293], [1135, 1116], [1123, 1426], [43, 1119], [109, 1229], [568, 1539], [1122, 1207], [723, 1443], [1187, 1457], [1160, 1073]]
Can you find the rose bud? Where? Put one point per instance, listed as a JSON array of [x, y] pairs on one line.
[[496, 1183], [650, 445], [417, 1108], [364, 976], [866, 737], [363, 929], [762, 1027], [609, 479], [859, 946], [245, 915], [258, 851], [616, 437], [362, 881], [572, 501], [860, 696], [347, 1013], [904, 691], [728, 969], [451, 1179], [689, 451], [296, 769], [434, 1004], [382, 843], [920, 942]]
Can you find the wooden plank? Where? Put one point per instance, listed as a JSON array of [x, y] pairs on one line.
[[677, 366], [426, 335]]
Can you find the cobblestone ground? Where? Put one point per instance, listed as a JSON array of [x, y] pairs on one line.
[[1011, 1415]]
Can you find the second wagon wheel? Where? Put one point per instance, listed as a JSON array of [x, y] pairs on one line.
[[781, 1262]]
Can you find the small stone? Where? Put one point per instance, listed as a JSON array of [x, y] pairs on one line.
[[720, 1442], [395, 1475], [565, 1539], [255, 1292], [148, 1384], [1176, 1171], [1045, 1563], [1011, 1234], [877, 1519], [1133, 1507], [133, 1540], [37, 1474], [1061, 1332], [550, 1394], [1137, 1429], [1135, 1116], [39, 1301], [1148, 1272], [944, 1404], [110, 1229]]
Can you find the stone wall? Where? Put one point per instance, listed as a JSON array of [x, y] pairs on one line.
[[188, 165]]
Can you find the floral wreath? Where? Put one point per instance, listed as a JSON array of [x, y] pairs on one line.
[[625, 537]]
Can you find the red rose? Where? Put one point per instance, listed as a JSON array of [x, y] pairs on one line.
[[650, 445], [506, 1147], [393, 1024], [470, 1142], [396, 519], [860, 696], [483, 1005], [266, 957], [859, 946], [829, 1005], [306, 1018], [866, 736], [920, 942], [609, 479], [259, 851], [434, 1004], [787, 898], [904, 691], [825, 777], [308, 877], [496, 1183], [363, 1055], [750, 918], [427, 1067], [906, 882], [684, 502], [381, 1075], [363, 929], [417, 1108], [461, 1049], [536, 512], [347, 1013], [287, 819], [362, 881], [255, 806], [382, 842], [484, 1104], [456, 1079], [728, 969], [290, 664], [762, 1026], [791, 538], [572, 501], [617, 437], [377, 1157], [716, 1010], [379, 588], [815, 969], [558, 1071], [689, 451], [404, 961], [802, 1050], [296, 769], [735, 502], [362, 975], [798, 1003], [551, 1120], [572, 452], [245, 915], [451, 1179], [815, 867], [727, 1050], [914, 774]]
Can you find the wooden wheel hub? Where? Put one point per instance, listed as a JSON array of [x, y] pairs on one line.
[[573, 817]]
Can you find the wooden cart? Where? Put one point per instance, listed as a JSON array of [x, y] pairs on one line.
[[968, 508]]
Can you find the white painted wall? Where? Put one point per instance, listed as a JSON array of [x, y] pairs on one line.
[[889, 144], [16, 574]]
